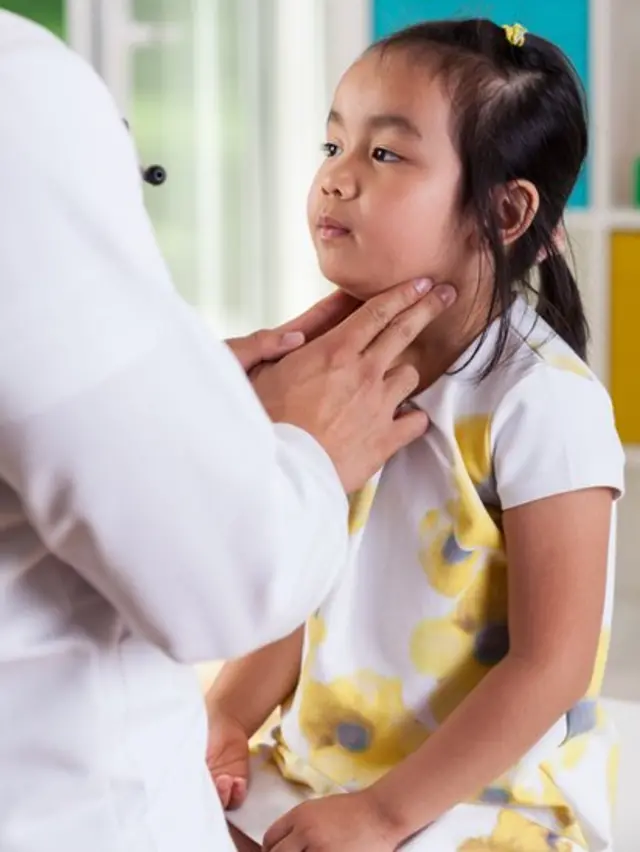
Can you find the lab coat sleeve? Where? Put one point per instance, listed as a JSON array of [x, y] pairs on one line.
[[134, 440]]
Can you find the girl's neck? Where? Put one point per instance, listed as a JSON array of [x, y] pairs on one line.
[[439, 346]]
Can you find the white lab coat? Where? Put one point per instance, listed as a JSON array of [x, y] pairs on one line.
[[150, 515]]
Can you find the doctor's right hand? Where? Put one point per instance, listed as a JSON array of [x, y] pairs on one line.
[[344, 389]]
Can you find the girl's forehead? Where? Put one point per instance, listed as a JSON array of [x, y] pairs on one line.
[[392, 84]]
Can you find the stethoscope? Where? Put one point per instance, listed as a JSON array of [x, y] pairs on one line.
[[153, 175]]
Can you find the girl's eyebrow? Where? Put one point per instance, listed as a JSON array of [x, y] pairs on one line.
[[380, 122]]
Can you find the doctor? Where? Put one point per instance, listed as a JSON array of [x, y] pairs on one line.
[[151, 515]]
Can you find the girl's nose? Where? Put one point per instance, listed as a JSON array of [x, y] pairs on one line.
[[340, 182]]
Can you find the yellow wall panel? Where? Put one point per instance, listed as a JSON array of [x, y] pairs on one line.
[[625, 334]]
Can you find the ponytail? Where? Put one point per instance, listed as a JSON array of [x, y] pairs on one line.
[[560, 304]]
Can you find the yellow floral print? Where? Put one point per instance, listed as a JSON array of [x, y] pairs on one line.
[[451, 690], [449, 568], [360, 505], [473, 437], [438, 646], [453, 540], [587, 716], [458, 659], [298, 771], [316, 631], [613, 767], [358, 728], [474, 526], [270, 730], [515, 833], [315, 635], [544, 791], [600, 663], [582, 720], [461, 649], [567, 362], [485, 600]]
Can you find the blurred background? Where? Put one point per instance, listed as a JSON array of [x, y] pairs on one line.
[[226, 95], [231, 96]]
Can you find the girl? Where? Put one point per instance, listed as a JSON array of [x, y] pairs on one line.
[[446, 694]]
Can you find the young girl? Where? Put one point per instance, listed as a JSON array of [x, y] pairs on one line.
[[447, 693]]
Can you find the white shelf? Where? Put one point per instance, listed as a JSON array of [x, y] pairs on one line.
[[623, 126], [632, 452], [622, 680], [623, 219], [609, 219], [580, 219]]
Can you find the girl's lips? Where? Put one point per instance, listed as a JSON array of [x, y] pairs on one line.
[[328, 233], [331, 229]]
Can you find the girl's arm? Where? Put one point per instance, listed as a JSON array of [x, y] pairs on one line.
[[248, 690], [557, 553]]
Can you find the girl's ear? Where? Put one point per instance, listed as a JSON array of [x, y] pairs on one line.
[[517, 203]]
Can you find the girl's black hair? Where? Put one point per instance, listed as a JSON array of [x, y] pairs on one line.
[[519, 112]]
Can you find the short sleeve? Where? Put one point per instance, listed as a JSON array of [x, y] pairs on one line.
[[554, 432]]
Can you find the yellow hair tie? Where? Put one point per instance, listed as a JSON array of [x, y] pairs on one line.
[[515, 34]]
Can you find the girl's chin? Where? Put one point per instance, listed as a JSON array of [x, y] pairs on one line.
[[357, 290]]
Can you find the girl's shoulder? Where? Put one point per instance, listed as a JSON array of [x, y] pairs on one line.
[[550, 424], [538, 370], [537, 364], [541, 418], [553, 425]]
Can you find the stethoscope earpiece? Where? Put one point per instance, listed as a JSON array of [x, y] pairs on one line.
[[153, 175]]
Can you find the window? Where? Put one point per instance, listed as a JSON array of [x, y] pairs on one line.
[[229, 96], [49, 13]]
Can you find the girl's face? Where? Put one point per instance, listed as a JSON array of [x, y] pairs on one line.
[[384, 206]]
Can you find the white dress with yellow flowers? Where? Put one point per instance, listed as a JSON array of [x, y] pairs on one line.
[[420, 615]]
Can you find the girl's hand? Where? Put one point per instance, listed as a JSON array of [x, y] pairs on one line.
[[228, 760], [352, 822]]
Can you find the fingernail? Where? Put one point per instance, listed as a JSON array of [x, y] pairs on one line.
[[239, 787], [446, 293], [292, 339], [224, 784], [423, 285]]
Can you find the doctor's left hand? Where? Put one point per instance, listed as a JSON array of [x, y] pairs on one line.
[[273, 344], [351, 822]]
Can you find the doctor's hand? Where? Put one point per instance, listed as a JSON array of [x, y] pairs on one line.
[[272, 344], [264, 346], [343, 388]]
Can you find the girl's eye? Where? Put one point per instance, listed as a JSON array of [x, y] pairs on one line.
[[330, 149], [383, 155]]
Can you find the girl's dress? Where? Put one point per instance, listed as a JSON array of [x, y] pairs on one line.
[[420, 614]]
